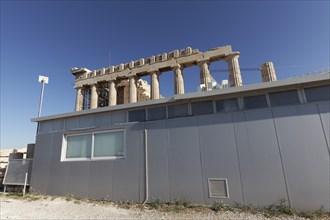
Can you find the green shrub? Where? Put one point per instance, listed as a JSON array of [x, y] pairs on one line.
[[217, 206]]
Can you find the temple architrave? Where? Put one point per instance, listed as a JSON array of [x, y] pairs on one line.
[[122, 84]]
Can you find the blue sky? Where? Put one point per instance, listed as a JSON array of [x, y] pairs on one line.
[[50, 37]]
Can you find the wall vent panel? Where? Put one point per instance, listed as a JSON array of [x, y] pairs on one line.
[[218, 188]]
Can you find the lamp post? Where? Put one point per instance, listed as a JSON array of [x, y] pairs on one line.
[[43, 80]]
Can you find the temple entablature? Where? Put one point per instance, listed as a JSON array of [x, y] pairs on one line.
[[185, 57], [122, 84]]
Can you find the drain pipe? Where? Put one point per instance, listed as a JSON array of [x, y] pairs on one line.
[[146, 165]]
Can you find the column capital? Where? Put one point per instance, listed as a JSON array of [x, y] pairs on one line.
[[157, 72], [78, 87], [202, 62], [177, 66], [232, 56], [112, 80]]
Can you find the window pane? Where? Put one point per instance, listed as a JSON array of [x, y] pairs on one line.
[[102, 120], [109, 144], [315, 94], [79, 146], [137, 115], [117, 117], [180, 110], [284, 98], [229, 105], [255, 102], [45, 126], [157, 113], [202, 108]]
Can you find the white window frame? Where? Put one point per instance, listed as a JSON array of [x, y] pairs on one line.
[[64, 147]]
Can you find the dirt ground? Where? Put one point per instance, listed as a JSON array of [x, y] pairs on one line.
[[60, 208]]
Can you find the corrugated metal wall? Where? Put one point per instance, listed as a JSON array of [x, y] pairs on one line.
[[265, 154]]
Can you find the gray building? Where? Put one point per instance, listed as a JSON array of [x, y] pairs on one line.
[[253, 144]]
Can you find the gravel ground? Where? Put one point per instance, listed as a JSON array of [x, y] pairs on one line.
[[59, 208]]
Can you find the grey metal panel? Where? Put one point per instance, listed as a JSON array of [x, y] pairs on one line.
[[158, 161], [102, 120], [100, 179], [305, 155], [324, 111], [41, 162], [141, 155], [260, 162], [71, 123], [184, 158], [58, 125], [126, 176], [86, 121], [219, 154], [118, 117], [58, 171], [78, 178], [45, 127]]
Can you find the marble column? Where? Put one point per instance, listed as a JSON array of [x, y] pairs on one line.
[[154, 85], [235, 78], [178, 80], [94, 97], [132, 89], [112, 93], [79, 99], [268, 72], [205, 76]]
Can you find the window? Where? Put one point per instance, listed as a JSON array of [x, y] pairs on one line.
[[202, 108], [157, 113], [137, 115], [109, 144], [175, 111], [79, 146], [316, 94], [253, 102], [229, 105], [97, 145], [117, 117], [284, 98]]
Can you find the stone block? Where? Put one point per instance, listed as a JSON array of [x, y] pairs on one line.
[[188, 51], [152, 59], [164, 56], [158, 58], [141, 62], [195, 51], [131, 64], [121, 67], [176, 53]]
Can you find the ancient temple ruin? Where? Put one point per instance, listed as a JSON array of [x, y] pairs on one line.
[[122, 84]]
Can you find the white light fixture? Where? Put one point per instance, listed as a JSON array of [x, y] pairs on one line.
[[43, 80]]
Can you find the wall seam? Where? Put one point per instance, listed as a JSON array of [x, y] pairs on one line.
[[281, 158], [238, 160], [324, 133], [326, 141]]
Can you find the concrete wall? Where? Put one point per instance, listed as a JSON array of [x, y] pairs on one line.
[[265, 154]]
